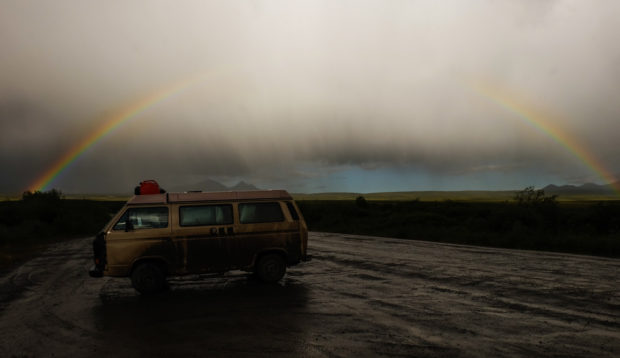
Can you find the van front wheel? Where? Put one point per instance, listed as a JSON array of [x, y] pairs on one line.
[[147, 278], [270, 268]]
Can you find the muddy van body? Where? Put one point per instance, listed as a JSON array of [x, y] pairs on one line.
[[157, 235]]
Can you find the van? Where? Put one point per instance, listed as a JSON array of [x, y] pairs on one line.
[[159, 235]]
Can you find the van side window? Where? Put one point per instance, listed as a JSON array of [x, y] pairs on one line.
[[250, 213], [205, 215], [292, 210], [144, 218]]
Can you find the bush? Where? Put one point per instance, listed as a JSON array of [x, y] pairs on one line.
[[361, 202], [531, 197]]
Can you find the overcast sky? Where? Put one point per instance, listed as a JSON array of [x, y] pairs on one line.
[[309, 96]]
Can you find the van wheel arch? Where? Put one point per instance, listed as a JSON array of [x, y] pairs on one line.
[[160, 263]]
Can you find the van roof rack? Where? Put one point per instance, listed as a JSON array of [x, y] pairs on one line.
[[209, 196]]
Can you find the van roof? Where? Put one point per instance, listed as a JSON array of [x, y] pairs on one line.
[[209, 196]]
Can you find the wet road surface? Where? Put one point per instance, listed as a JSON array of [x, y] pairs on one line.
[[359, 296]]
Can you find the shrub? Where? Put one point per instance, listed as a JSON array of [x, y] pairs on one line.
[[361, 202]]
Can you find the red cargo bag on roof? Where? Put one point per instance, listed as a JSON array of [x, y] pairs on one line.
[[148, 187]]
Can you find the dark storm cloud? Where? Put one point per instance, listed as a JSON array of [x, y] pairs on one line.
[[293, 88]]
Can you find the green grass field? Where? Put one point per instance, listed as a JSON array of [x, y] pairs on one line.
[[466, 195], [470, 196]]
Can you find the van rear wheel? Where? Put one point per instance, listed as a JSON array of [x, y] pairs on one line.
[[148, 278], [270, 268]]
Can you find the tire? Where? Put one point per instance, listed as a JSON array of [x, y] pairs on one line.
[[147, 278], [270, 268]]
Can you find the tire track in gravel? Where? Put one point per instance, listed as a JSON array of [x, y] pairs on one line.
[[531, 298]]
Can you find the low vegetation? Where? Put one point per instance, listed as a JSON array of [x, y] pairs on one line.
[[529, 219], [41, 218]]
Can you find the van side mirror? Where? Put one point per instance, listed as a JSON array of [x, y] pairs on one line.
[[128, 225]]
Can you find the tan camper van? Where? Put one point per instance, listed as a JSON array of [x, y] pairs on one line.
[[181, 233]]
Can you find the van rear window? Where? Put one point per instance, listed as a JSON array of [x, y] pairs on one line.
[[292, 210], [250, 213], [205, 215]]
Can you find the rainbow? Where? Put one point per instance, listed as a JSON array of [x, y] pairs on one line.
[[108, 125], [540, 121]]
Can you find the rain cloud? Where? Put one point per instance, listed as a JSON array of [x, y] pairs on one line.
[[307, 95]]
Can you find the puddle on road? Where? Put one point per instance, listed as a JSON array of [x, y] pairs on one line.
[[231, 314]]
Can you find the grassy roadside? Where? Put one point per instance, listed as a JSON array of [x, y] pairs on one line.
[[29, 225], [574, 227]]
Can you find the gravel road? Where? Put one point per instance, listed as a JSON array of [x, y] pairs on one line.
[[359, 296]]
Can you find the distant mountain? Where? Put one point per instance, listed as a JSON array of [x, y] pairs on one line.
[[212, 185], [241, 186], [587, 188]]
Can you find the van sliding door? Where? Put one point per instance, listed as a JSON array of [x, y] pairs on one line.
[[201, 237]]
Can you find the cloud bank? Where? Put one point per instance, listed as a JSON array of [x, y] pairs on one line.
[[308, 94]]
